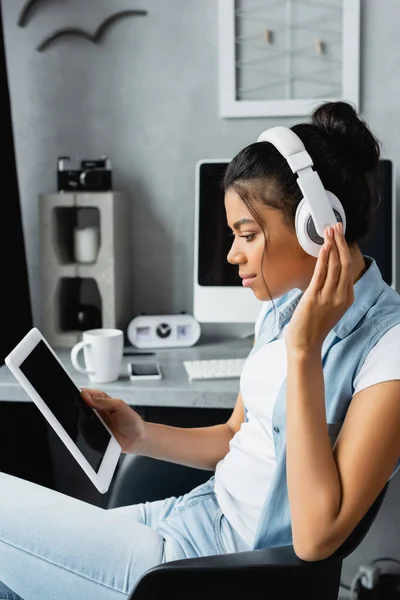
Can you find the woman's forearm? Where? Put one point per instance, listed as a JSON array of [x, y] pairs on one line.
[[312, 476], [201, 447]]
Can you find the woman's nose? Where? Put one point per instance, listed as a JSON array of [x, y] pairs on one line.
[[234, 257]]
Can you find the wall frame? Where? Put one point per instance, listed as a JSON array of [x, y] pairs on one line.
[[283, 57]]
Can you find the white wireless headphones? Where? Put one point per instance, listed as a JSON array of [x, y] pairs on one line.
[[318, 207]]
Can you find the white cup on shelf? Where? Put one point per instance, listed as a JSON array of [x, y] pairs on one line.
[[86, 244], [102, 351]]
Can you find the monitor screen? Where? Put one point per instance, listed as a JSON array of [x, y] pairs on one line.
[[379, 243], [214, 236]]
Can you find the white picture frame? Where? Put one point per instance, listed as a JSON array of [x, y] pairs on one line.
[[231, 107]]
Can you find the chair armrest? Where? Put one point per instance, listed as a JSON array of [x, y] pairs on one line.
[[280, 557], [250, 559], [278, 570]]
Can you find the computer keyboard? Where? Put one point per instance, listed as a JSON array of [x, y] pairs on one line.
[[222, 368]]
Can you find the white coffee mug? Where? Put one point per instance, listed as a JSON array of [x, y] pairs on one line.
[[103, 351]]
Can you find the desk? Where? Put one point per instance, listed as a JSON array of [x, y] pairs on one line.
[[174, 390]]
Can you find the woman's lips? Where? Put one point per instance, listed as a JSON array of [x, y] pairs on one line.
[[247, 280]]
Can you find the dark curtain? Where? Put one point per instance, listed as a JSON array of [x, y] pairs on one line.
[[15, 305]]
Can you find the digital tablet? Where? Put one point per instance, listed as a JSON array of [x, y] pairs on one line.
[[42, 375]]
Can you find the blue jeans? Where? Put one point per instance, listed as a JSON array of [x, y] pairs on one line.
[[54, 546]]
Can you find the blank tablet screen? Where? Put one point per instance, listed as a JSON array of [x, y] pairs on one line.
[[63, 398]]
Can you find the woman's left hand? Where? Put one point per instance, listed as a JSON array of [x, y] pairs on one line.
[[327, 298]]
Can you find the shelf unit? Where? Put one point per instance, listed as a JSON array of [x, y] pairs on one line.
[[67, 286]]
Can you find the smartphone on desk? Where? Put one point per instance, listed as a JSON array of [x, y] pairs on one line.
[[144, 371]]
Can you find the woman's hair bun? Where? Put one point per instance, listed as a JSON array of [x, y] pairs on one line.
[[339, 122]]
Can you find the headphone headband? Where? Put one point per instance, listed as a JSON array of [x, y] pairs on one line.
[[289, 145], [318, 199]]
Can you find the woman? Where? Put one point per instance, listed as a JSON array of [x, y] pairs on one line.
[[326, 360]]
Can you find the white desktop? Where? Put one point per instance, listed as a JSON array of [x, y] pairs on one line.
[[218, 294]]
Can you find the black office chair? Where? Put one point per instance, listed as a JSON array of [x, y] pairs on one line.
[[253, 575]]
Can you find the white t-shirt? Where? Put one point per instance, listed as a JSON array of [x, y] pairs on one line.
[[243, 476]]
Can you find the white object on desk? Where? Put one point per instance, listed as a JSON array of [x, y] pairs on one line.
[[86, 244], [223, 368], [163, 331], [103, 351]]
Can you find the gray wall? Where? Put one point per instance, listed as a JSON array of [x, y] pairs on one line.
[[147, 97]]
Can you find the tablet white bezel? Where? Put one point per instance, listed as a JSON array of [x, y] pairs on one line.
[[102, 478]]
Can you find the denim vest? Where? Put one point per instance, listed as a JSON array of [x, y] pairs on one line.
[[376, 308]]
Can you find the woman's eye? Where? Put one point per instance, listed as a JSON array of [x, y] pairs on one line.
[[249, 237]]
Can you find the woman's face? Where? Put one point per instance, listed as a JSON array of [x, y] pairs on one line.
[[285, 265]]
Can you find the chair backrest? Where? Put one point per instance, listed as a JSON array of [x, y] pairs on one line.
[[361, 530], [143, 479]]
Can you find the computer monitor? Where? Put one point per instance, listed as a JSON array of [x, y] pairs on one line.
[[381, 242], [218, 293]]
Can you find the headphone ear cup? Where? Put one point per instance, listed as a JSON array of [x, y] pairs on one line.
[[302, 216], [306, 233]]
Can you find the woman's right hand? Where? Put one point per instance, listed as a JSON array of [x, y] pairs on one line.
[[125, 423]]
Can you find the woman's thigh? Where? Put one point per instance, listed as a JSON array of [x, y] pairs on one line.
[[55, 546], [147, 513], [196, 526], [193, 523]]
